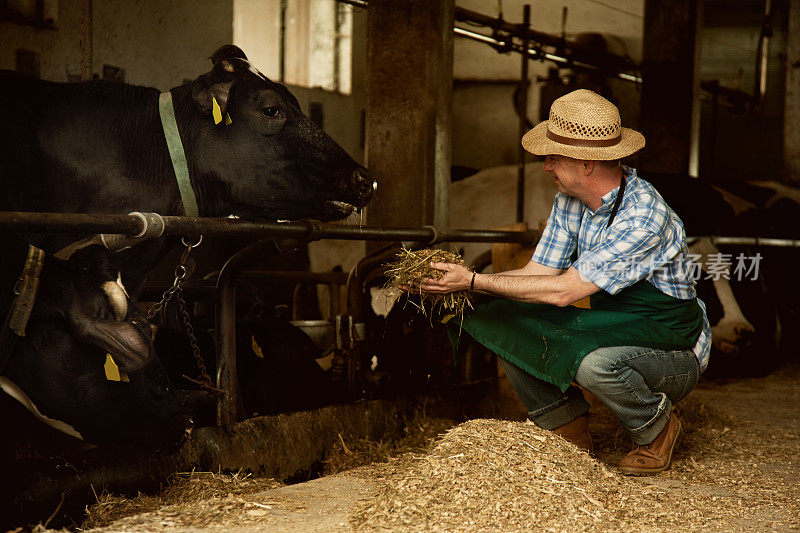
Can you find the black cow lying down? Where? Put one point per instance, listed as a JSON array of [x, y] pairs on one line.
[[81, 314], [99, 147]]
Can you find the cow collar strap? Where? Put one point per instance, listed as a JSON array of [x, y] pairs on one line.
[[177, 154], [19, 313]]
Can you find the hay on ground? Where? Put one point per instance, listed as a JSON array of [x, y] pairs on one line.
[[491, 475], [182, 488], [419, 433]]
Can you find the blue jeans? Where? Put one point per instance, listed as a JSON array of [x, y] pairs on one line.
[[638, 385]]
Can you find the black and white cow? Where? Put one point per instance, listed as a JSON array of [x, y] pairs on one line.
[[773, 210], [99, 147], [82, 318]]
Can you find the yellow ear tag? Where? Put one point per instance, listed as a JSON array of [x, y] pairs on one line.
[[447, 318], [216, 112], [257, 348], [113, 373]]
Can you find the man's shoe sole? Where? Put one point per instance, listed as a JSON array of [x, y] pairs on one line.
[[634, 471]]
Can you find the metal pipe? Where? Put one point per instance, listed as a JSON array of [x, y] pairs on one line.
[[356, 3], [307, 230], [226, 376], [520, 31], [227, 380], [523, 114], [351, 324], [479, 37], [762, 56], [616, 63], [87, 48], [282, 51], [587, 57], [337, 46], [538, 54], [321, 278], [69, 223], [712, 151], [749, 241], [206, 289]]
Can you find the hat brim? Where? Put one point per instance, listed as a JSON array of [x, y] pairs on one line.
[[537, 142]]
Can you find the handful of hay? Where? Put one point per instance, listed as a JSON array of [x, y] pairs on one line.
[[412, 266]]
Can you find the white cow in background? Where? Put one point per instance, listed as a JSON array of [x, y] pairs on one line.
[[488, 199]]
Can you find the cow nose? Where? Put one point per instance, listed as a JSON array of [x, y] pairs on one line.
[[187, 431], [363, 184]]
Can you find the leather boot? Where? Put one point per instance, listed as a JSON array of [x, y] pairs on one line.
[[577, 432], [654, 457]]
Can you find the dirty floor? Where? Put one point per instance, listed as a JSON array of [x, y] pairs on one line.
[[740, 452]]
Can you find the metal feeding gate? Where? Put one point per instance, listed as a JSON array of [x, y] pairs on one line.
[[349, 326], [118, 231]]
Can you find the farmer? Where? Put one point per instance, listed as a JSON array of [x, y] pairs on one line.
[[644, 342]]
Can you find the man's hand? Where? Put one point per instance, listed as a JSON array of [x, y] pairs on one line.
[[456, 278]]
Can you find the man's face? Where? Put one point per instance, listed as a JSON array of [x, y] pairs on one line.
[[567, 173]]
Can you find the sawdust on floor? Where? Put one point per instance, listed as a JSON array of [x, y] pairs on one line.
[[735, 470]]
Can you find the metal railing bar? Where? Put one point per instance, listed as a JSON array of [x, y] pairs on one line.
[[748, 241], [304, 229]]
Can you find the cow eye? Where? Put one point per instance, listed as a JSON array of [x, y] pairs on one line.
[[271, 111]]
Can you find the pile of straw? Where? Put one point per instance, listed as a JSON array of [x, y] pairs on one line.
[[491, 475], [411, 267]]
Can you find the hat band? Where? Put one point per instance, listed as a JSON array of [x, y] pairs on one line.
[[582, 142]]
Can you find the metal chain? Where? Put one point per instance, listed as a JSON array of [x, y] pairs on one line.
[[203, 377], [180, 275], [176, 292]]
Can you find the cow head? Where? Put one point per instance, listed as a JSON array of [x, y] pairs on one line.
[[264, 156], [58, 369], [85, 294]]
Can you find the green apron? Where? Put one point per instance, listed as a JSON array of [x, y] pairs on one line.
[[550, 342]]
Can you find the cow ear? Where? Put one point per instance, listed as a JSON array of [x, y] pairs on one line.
[[212, 98], [130, 346], [211, 90], [227, 52]]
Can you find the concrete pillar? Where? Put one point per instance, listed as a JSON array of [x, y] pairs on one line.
[[408, 107], [791, 117], [670, 92]]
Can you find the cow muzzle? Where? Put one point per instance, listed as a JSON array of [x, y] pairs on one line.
[[362, 185]]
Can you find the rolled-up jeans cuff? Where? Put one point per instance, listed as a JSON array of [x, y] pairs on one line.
[[571, 406], [648, 433]]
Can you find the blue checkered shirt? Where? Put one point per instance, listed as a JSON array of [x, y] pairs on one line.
[[645, 240]]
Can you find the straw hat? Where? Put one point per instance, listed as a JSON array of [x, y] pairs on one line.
[[583, 125]]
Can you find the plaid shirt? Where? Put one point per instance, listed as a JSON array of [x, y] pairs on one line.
[[645, 240]]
